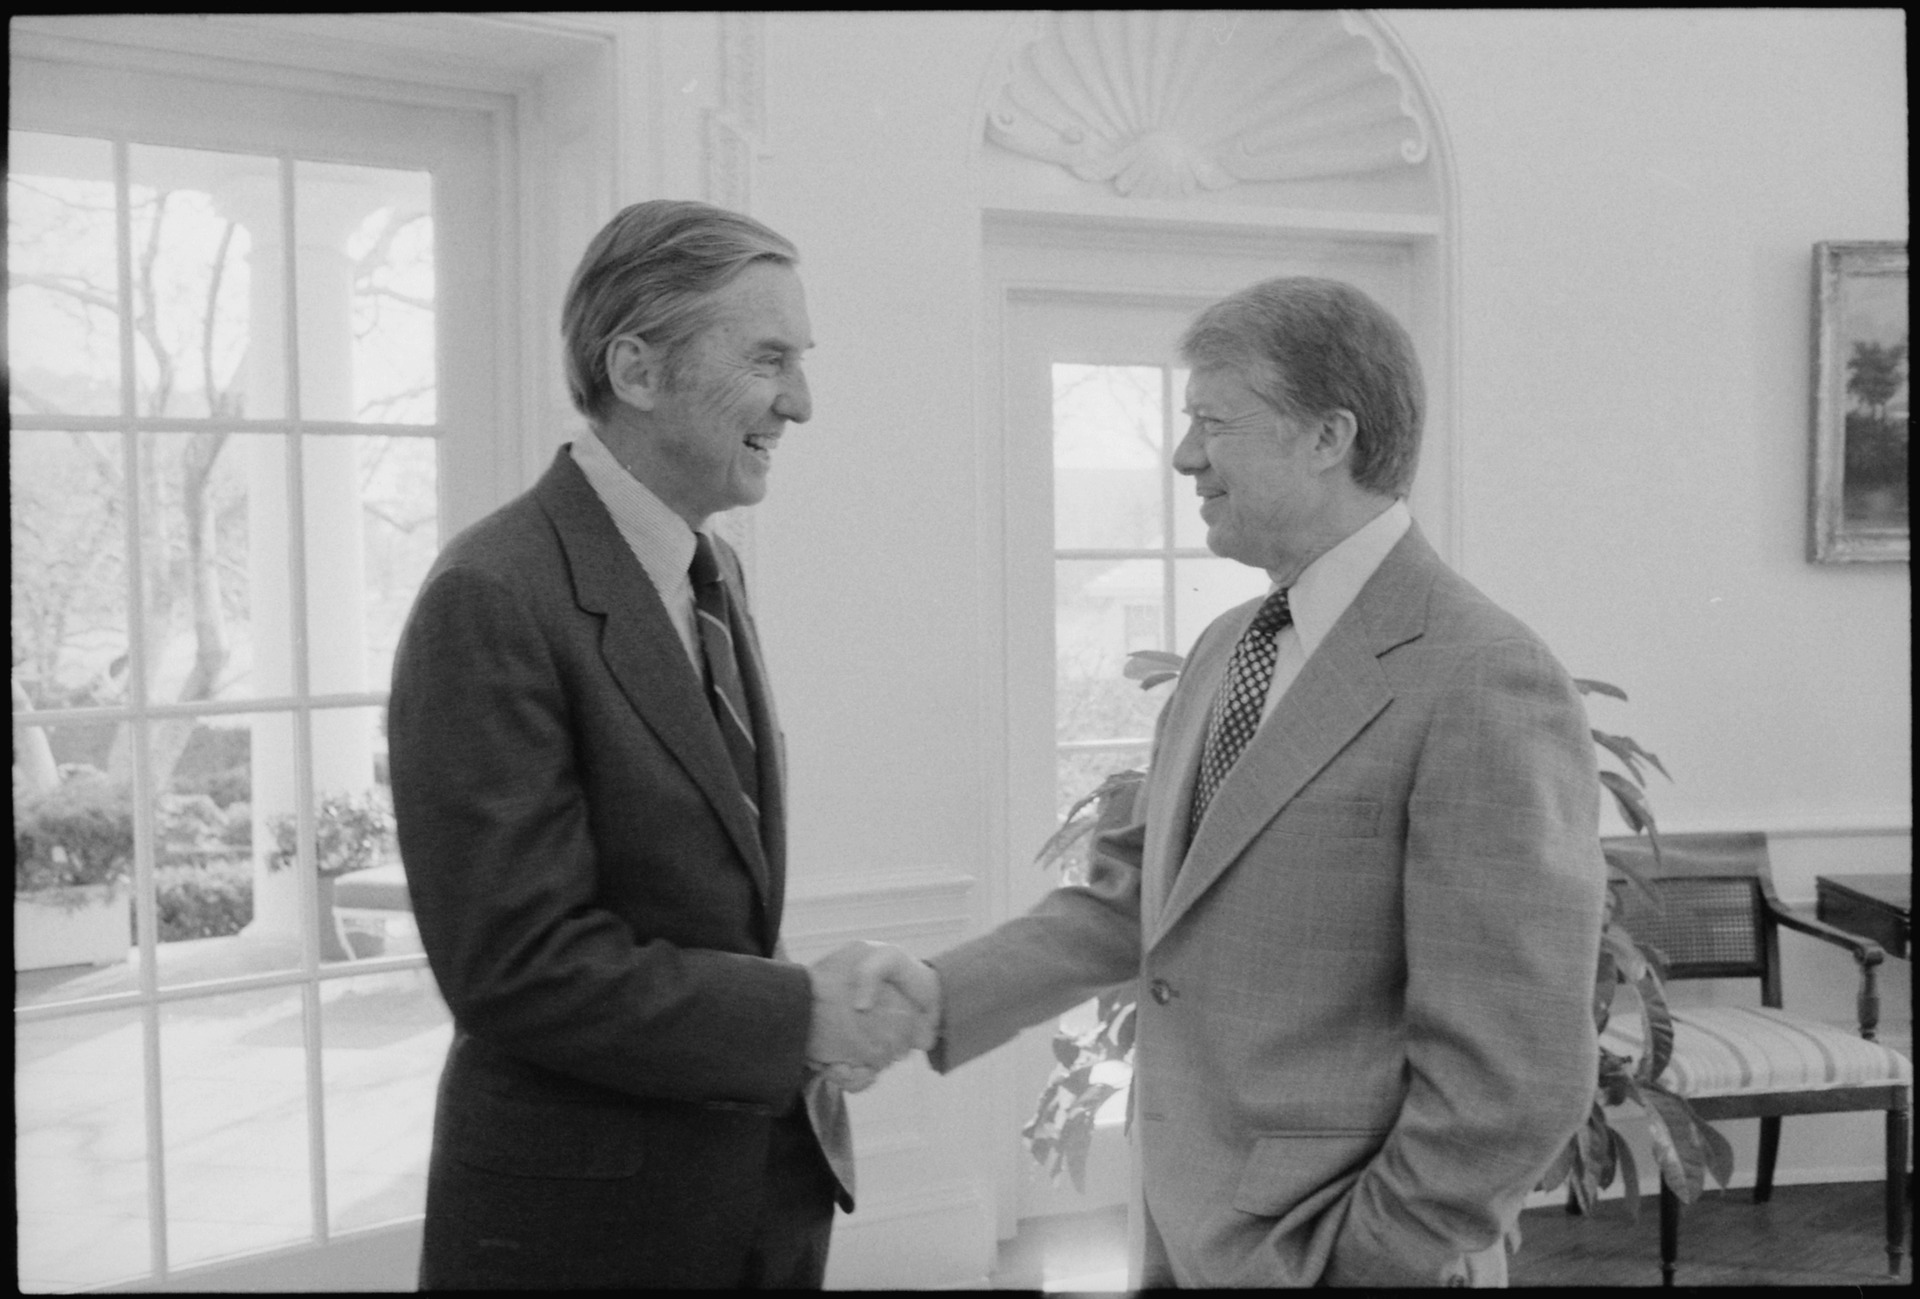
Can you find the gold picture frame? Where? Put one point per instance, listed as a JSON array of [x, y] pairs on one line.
[[1861, 404]]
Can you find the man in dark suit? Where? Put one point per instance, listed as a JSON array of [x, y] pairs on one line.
[[587, 775], [1360, 891]]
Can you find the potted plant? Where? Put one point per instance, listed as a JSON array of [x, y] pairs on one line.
[[1095, 1064], [72, 857], [351, 832]]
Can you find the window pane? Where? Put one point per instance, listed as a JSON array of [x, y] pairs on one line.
[[203, 857], [1080, 773], [385, 1037], [1108, 446], [1206, 588], [73, 862], [215, 558], [65, 493], [1092, 700], [63, 289], [373, 516], [233, 1086], [219, 914], [366, 293], [73, 867], [80, 1154], [198, 218], [363, 898]]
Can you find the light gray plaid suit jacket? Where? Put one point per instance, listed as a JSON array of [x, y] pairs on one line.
[[1365, 985]]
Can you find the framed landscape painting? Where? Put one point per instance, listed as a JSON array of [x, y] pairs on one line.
[[1861, 402]]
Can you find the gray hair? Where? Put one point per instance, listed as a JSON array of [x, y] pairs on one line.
[[653, 271], [1310, 346]]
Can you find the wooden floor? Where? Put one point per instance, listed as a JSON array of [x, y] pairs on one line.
[[1806, 1236]]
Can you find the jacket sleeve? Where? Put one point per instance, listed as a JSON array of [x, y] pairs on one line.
[[1503, 897], [504, 873], [1076, 942]]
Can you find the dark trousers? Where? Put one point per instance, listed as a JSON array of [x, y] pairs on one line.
[[492, 1224], [789, 1249]]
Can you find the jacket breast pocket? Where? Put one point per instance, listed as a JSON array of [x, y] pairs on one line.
[[1287, 1168], [521, 1137], [1330, 818]]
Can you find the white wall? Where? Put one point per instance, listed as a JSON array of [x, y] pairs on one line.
[[1639, 196]]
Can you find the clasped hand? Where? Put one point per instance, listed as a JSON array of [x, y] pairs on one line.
[[872, 1003]]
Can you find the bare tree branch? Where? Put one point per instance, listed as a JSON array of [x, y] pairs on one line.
[[216, 400], [72, 286]]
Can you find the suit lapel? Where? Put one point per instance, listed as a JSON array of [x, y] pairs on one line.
[[645, 655], [1168, 800], [1341, 689]]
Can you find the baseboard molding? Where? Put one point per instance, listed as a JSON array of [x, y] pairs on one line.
[[1741, 1181], [932, 1239]]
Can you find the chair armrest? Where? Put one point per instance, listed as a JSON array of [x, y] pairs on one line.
[[1867, 954]]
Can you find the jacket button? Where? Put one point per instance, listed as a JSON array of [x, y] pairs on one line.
[[1161, 991]]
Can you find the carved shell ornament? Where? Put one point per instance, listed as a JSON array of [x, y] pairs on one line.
[[1166, 103]]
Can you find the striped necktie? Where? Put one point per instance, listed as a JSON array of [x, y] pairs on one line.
[[724, 690], [1241, 700]]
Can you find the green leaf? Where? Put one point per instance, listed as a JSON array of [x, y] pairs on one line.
[[1618, 946], [1719, 1153], [1125, 1025], [1151, 667], [1076, 1140], [1633, 805], [1628, 865], [1629, 1174], [1676, 1142], [1588, 686], [1630, 753], [1659, 1025], [1061, 841]]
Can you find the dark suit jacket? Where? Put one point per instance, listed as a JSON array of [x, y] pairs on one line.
[[1365, 1021], [600, 910]]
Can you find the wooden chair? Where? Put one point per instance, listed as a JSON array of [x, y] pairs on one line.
[[1721, 920]]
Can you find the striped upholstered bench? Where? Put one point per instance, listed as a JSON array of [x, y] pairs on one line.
[[1715, 916]]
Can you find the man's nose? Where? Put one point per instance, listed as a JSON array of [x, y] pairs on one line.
[[1190, 457], [795, 402]]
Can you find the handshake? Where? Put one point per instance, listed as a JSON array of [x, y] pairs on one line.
[[872, 1003]]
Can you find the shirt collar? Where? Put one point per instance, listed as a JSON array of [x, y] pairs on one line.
[[1329, 584], [659, 538]]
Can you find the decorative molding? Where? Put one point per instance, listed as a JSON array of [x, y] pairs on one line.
[[732, 139], [1167, 103], [904, 906], [734, 132]]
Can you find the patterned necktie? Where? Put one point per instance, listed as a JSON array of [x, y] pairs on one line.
[[1242, 698], [724, 690]]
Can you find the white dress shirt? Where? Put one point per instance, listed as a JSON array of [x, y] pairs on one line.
[[1323, 591], [659, 538]]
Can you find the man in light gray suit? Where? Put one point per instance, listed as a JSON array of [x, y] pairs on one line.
[[1360, 891]]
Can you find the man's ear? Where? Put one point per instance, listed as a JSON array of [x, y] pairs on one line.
[[1333, 440], [636, 371]]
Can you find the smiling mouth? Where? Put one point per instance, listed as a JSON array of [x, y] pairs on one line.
[[762, 445]]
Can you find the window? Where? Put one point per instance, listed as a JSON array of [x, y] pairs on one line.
[[235, 384], [1131, 566]]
